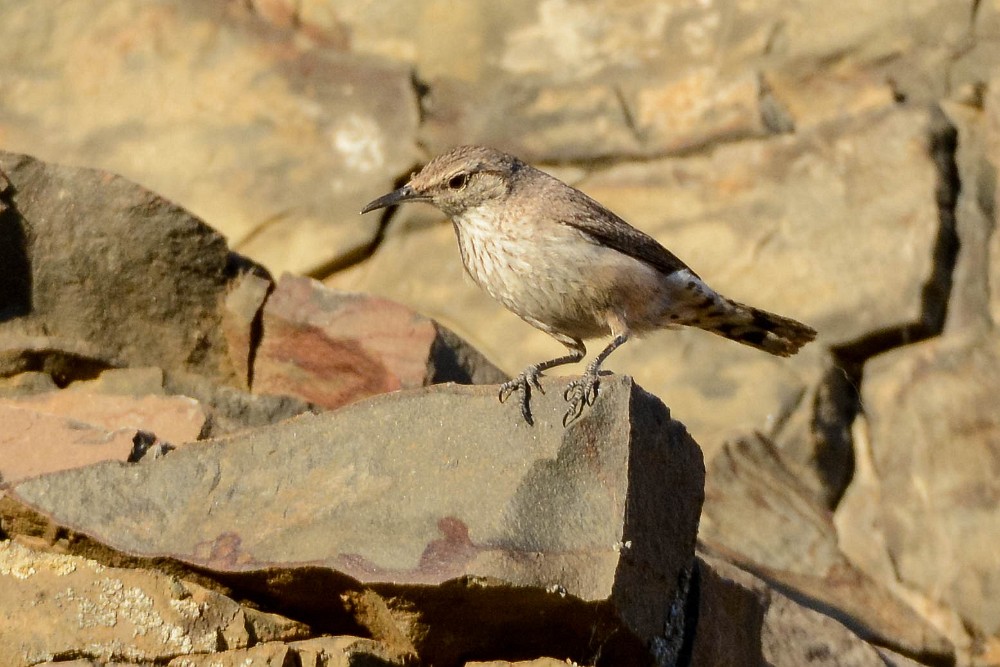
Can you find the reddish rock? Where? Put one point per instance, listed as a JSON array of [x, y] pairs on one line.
[[33, 443], [68, 429], [176, 419], [332, 348]]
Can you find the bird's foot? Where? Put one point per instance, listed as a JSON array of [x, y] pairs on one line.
[[579, 393], [522, 384]]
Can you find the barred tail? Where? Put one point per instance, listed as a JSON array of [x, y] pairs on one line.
[[781, 336]]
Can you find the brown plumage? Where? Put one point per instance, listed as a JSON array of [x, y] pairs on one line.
[[572, 268]]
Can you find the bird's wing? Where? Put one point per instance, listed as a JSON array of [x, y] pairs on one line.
[[606, 228]]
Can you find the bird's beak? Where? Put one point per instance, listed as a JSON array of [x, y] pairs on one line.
[[405, 193]]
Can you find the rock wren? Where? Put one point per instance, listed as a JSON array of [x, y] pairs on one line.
[[568, 266]]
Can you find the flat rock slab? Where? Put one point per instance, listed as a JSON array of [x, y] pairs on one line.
[[58, 430], [275, 143], [34, 443], [419, 488], [176, 419], [761, 516]]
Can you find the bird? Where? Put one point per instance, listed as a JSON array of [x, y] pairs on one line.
[[568, 266]]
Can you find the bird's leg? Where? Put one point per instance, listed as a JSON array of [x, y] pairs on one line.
[[583, 390], [529, 376]]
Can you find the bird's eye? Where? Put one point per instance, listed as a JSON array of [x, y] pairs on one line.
[[458, 181]]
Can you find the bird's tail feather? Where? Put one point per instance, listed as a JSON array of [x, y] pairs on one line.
[[781, 336]]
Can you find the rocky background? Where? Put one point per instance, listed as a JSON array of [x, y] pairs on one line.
[[180, 487]]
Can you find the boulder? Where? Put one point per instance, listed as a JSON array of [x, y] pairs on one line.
[[928, 507], [331, 348], [484, 536], [741, 621], [759, 515], [155, 300]]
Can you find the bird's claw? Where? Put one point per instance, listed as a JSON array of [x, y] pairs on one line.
[[522, 384], [579, 393]]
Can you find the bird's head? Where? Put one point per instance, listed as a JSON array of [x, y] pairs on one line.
[[464, 178]]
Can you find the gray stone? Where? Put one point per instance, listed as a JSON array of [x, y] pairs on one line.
[[759, 515], [742, 621], [425, 487], [232, 409], [116, 267]]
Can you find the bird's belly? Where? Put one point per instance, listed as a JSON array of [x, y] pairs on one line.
[[560, 285]]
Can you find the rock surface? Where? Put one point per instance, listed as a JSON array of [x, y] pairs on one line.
[[151, 301], [934, 444], [759, 515], [291, 131], [741, 621], [60, 430], [316, 652], [833, 162], [605, 511], [63, 606], [332, 348]]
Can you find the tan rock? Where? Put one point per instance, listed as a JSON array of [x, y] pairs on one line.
[[25, 384], [759, 515], [62, 605], [138, 381], [346, 651], [743, 621], [242, 313], [33, 443], [933, 432], [274, 144], [862, 539], [972, 207], [177, 419], [316, 652], [755, 505], [909, 46], [764, 222]]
